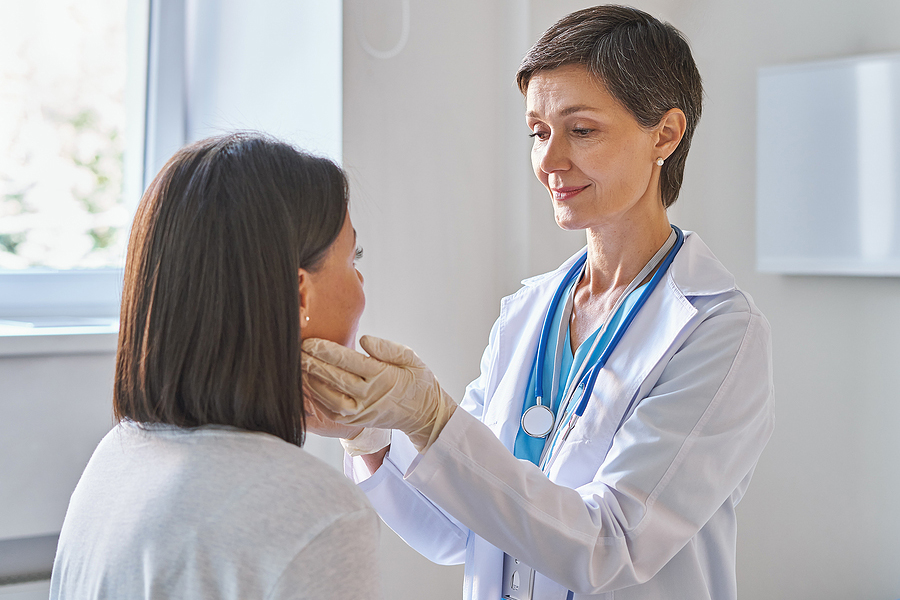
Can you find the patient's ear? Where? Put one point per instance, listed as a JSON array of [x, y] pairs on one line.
[[305, 288]]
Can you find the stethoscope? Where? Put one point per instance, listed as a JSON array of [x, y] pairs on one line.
[[539, 420]]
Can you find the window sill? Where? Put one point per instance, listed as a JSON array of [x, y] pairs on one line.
[[23, 337]]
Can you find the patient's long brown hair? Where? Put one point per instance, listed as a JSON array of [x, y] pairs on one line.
[[210, 324]]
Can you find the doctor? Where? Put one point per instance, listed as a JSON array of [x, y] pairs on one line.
[[624, 399]]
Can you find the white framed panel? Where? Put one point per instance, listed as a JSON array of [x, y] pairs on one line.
[[828, 162]]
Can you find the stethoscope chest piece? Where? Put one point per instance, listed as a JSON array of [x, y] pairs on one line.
[[538, 421]]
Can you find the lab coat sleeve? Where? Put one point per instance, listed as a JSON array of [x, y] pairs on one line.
[[683, 452], [419, 522], [412, 516]]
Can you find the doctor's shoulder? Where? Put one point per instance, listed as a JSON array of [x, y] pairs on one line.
[[698, 273], [726, 317]]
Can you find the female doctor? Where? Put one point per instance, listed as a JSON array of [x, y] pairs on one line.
[[624, 399]]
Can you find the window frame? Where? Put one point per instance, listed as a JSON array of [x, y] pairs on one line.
[[155, 109], [165, 112]]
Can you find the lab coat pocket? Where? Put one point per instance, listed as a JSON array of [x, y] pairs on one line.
[[580, 457]]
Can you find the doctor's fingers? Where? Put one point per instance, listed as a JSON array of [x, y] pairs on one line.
[[326, 380], [344, 380], [342, 357], [334, 403], [390, 352], [377, 411], [321, 421]]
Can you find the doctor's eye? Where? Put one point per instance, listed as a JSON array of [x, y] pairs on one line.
[[541, 135], [359, 253]]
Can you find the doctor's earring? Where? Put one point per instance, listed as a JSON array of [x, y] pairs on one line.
[[660, 162]]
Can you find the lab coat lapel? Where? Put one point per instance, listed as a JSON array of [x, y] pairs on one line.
[[650, 336], [657, 331], [521, 319]]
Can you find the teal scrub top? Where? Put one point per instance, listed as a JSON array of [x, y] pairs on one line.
[[528, 447]]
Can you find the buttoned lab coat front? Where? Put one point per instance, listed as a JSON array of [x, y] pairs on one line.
[[645, 510]]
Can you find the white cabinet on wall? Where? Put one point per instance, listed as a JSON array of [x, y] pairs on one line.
[[828, 167]]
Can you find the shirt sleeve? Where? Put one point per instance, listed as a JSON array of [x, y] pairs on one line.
[[686, 449]]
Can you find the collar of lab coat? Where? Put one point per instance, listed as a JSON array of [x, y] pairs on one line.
[[695, 271]]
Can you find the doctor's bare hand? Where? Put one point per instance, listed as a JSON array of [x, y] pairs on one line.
[[390, 389]]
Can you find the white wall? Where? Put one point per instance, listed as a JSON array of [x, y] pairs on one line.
[[451, 219], [272, 66], [53, 411]]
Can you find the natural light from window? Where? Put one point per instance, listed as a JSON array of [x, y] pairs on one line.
[[63, 70]]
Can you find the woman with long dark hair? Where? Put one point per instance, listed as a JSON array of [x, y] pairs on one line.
[[241, 246]]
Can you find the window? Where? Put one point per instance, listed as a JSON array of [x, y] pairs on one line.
[[191, 68], [62, 118], [71, 151]]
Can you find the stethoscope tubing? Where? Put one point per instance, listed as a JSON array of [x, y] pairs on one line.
[[548, 322], [567, 421], [629, 317]]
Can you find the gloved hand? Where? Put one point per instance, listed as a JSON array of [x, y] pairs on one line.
[[319, 422], [389, 389], [356, 440], [368, 441]]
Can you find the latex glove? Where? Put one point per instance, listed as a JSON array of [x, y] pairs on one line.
[[320, 423], [367, 441], [389, 389], [356, 440]]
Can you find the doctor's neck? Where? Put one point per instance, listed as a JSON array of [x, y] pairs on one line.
[[618, 251]]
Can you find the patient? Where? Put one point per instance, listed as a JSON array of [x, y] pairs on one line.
[[240, 245]]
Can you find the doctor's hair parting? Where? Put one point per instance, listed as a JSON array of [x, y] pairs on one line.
[[644, 63], [210, 318]]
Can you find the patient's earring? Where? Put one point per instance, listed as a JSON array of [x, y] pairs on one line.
[[307, 320], [660, 162]]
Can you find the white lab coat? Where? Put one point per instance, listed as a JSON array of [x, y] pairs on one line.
[[643, 512]]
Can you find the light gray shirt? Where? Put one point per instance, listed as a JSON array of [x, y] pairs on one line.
[[214, 512]]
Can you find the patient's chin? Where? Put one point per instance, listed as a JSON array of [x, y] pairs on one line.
[[348, 341]]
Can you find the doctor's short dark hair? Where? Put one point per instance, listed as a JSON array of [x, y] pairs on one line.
[[210, 318], [644, 63]]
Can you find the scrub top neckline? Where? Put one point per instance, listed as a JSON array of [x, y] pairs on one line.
[[531, 448]]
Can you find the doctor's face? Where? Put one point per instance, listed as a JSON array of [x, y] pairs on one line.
[[596, 161], [332, 296]]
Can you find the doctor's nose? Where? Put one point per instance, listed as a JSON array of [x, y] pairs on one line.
[[552, 156]]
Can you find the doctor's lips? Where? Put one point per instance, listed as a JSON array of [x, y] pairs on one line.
[[565, 193]]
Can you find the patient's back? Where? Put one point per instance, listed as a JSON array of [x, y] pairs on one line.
[[213, 512]]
